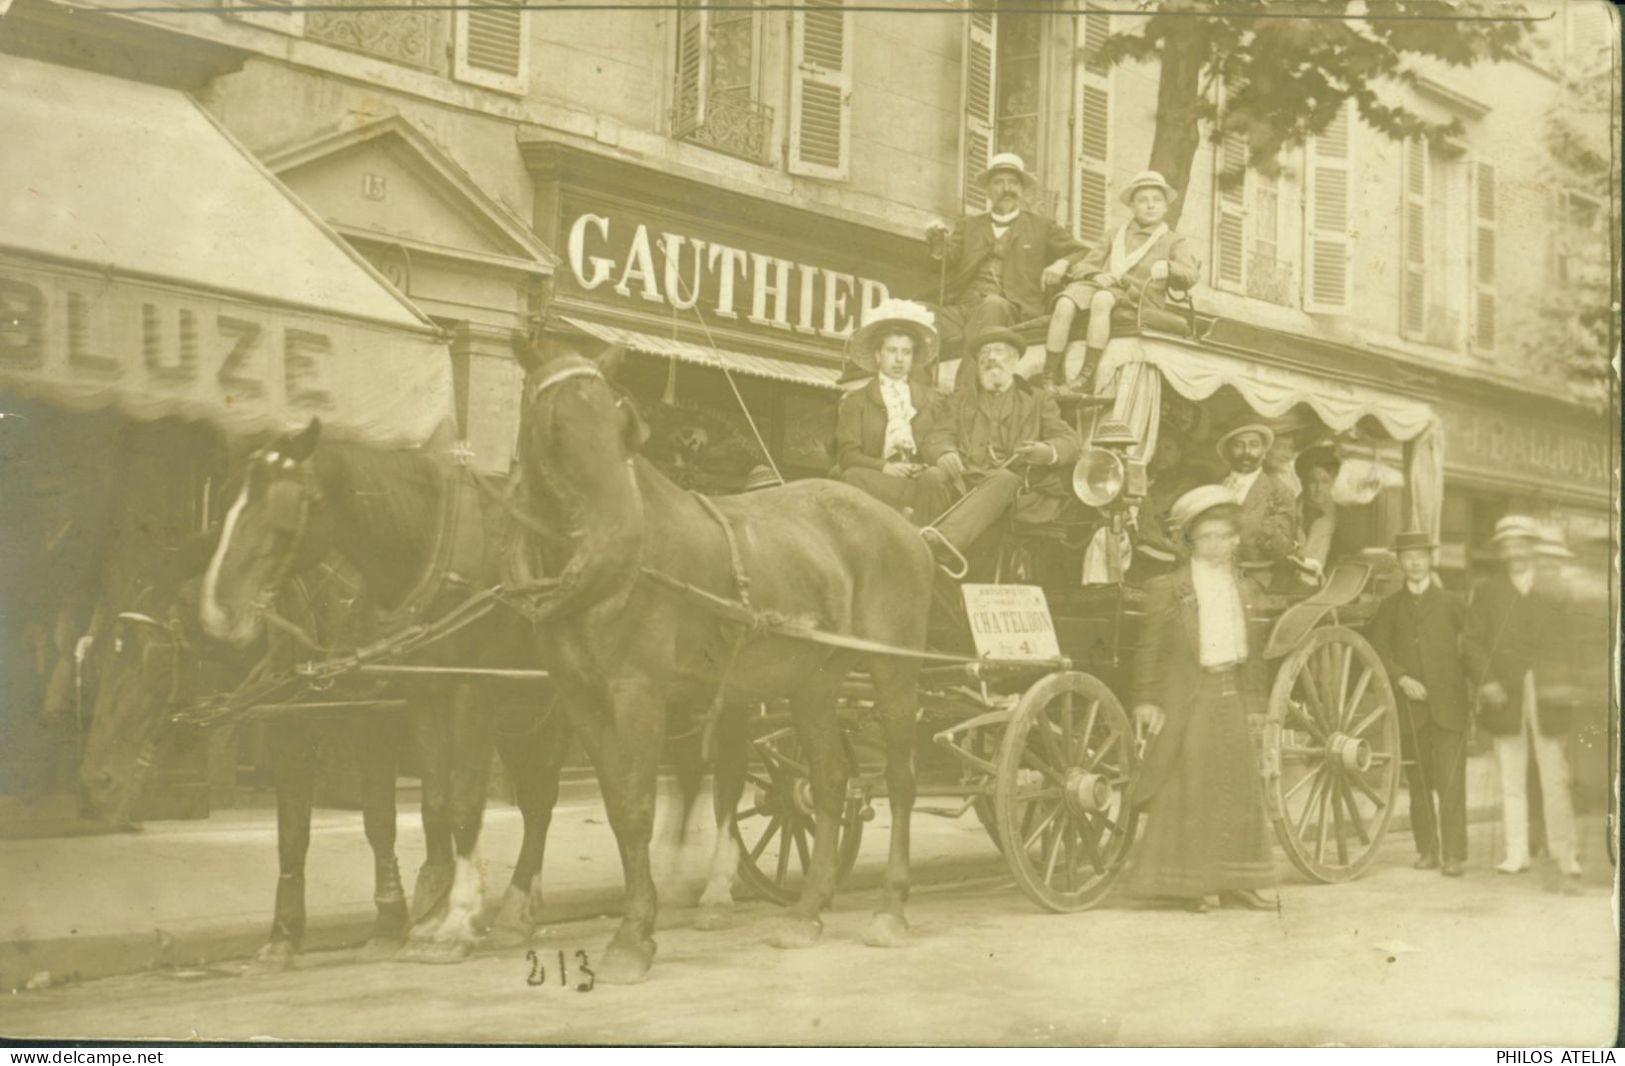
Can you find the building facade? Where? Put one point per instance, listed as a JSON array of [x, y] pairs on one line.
[[724, 192]]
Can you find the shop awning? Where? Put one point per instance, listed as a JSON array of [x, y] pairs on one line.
[[148, 262], [1272, 391], [824, 377]]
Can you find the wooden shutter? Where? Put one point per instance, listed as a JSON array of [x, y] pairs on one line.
[[1091, 115], [491, 45], [976, 73], [1328, 212], [821, 89], [1230, 213], [1483, 258], [1413, 235], [290, 22], [693, 59]]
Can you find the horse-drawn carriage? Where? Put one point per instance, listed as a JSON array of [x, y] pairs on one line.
[[636, 595], [1030, 732]]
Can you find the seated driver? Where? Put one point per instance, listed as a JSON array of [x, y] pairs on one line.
[[1005, 447]]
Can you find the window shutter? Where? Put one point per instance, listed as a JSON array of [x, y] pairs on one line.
[[1483, 309], [1413, 237], [290, 22], [821, 89], [976, 96], [693, 31], [1230, 213], [1091, 113], [1328, 211], [491, 45]]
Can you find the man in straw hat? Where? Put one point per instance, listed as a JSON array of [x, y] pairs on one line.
[[1420, 632], [1515, 624], [998, 263], [1007, 441], [1143, 249], [1269, 510], [881, 426], [1198, 680]]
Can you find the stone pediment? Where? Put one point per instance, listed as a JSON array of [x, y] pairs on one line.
[[387, 182]]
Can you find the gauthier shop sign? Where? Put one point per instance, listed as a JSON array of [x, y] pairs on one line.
[[651, 249], [616, 253]]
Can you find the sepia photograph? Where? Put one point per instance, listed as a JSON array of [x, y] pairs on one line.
[[809, 523]]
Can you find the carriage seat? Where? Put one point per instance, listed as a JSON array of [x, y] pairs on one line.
[[1178, 318]]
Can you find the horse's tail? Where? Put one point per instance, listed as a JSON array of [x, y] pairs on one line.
[[687, 732]]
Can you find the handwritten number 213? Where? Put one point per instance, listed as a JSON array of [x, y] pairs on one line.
[[538, 972]]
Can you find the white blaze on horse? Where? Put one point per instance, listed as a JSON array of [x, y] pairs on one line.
[[420, 535], [620, 638]]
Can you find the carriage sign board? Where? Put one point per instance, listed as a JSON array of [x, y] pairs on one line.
[[1011, 622]]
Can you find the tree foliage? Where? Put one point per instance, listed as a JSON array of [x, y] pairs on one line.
[[1287, 68]]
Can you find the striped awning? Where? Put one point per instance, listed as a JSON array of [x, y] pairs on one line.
[[762, 366]]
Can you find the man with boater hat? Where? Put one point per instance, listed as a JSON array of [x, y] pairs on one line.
[[1420, 632], [1515, 624], [1269, 511], [998, 263]]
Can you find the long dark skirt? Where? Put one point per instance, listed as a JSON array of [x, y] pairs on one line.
[[1205, 830]]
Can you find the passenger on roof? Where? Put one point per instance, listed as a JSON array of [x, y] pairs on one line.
[[882, 425], [999, 263], [1143, 249]]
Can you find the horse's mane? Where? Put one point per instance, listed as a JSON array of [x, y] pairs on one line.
[[391, 496]]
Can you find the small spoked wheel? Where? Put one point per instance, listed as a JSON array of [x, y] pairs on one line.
[[1331, 755], [1063, 774], [775, 821]]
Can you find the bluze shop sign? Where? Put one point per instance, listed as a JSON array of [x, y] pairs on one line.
[[715, 280]]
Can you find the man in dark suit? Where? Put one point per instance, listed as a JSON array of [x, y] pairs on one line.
[[1269, 511], [1420, 633], [1518, 626], [999, 263]]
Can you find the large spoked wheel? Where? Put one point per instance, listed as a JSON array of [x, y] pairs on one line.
[[1331, 754], [775, 821], [1060, 795]]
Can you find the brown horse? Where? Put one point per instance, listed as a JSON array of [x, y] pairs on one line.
[[411, 527], [620, 644]]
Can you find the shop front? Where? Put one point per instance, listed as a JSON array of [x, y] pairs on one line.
[[162, 298], [723, 301]]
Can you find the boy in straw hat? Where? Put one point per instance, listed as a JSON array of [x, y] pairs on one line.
[[1198, 679], [882, 426], [997, 264], [1142, 249], [1420, 633], [1515, 623]]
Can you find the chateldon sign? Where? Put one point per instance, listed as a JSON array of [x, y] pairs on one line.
[[711, 277], [152, 349]]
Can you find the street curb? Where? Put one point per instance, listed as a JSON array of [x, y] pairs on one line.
[[204, 945]]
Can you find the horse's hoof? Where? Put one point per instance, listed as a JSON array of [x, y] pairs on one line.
[[712, 917], [276, 956], [432, 890], [624, 966], [886, 931], [796, 933], [436, 952], [381, 948]]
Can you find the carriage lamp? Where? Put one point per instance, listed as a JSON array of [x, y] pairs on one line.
[[1098, 477]]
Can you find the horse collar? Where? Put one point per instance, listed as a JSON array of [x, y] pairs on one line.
[[561, 376]]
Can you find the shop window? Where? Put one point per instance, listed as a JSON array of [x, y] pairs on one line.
[[719, 79], [1248, 250]]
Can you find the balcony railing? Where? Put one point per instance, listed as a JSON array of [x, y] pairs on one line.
[[736, 125]]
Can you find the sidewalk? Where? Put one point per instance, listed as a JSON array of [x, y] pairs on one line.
[[190, 894]]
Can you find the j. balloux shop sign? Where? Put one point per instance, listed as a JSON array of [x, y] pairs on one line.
[[705, 276]]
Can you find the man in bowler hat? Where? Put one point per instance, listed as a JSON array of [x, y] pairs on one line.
[[1420, 633]]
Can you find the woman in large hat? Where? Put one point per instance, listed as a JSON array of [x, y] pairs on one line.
[[882, 424], [1198, 679]]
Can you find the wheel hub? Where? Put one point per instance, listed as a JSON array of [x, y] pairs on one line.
[[1353, 754], [1087, 793]]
